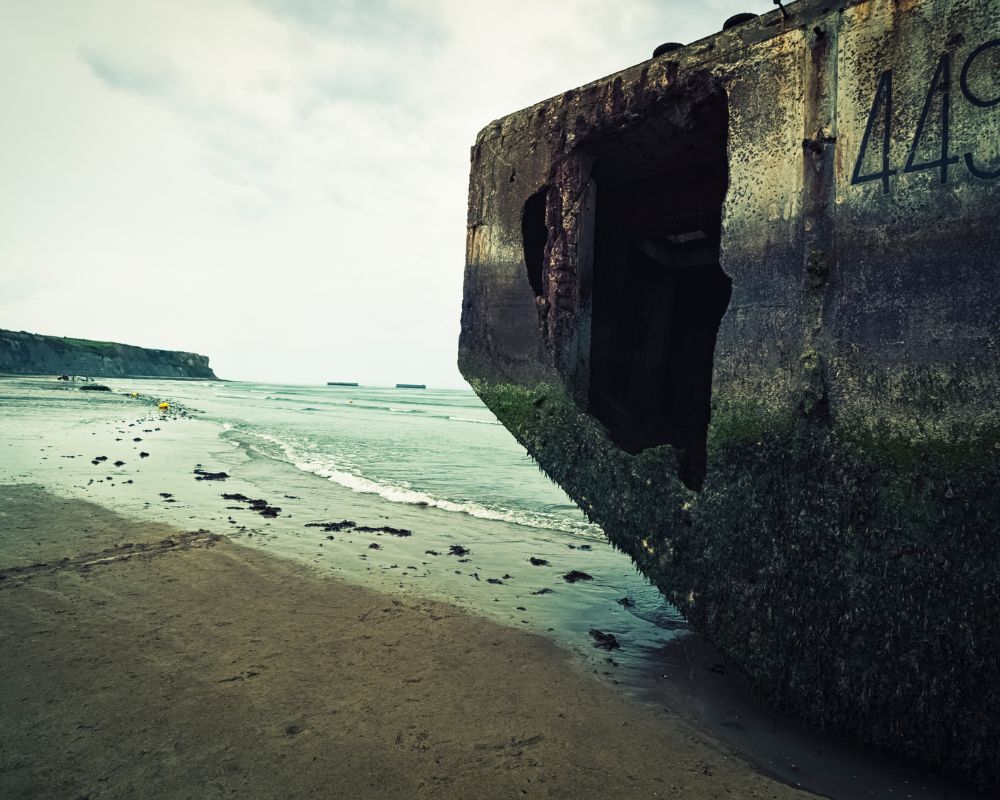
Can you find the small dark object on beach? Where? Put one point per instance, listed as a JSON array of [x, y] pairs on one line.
[[330, 537], [269, 511], [258, 505], [605, 640], [203, 475], [95, 387], [137, 439], [165, 495], [374, 546], [475, 575], [129, 481], [241, 497], [575, 575], [384, 529], [579, 546], [95, 463], [626, 602], [538, 562], [495, 581], [143, 454], [100, 458], [119, 463], [431, 553], [544, 591], [291, 497], [508, 577], [458, 550], [332, 527]]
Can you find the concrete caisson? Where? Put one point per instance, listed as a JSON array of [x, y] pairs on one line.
[[741, 302]]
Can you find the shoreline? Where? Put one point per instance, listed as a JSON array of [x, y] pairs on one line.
[[161, 669]]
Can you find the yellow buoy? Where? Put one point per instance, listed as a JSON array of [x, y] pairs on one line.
[[164, 406]]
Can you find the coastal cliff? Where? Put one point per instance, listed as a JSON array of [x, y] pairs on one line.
[[740, 302], [23, 353]]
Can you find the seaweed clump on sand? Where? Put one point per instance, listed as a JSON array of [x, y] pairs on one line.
[[204, 475]]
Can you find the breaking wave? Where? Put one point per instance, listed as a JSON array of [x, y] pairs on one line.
[[326, 467]]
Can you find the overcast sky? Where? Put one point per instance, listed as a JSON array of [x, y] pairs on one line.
[[278, 184]]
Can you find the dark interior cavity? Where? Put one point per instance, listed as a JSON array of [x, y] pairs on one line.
[[534, 236], [659, 292]]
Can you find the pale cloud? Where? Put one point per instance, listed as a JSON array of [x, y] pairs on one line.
[[148, 78], [406, 25]]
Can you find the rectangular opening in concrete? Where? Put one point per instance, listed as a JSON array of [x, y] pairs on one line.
[[659, 292], [534, 237]]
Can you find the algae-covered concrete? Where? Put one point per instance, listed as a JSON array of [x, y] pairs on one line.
[[832, 525]]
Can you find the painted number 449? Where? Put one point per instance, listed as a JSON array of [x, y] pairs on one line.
[[938, 101]]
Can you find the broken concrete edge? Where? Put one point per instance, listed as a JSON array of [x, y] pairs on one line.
[[724, 45]]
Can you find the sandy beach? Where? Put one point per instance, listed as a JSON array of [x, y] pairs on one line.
[[142, 661]]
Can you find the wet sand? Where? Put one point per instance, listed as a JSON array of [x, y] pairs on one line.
[[697, 684], [195, 667]]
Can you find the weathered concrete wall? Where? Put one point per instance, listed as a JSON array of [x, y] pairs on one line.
[[23, 353], [844, 551]]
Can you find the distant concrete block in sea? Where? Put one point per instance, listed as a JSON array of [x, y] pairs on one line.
[[741, 302], [340, 383], [411, 385]]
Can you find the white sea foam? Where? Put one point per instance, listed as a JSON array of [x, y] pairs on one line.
[[398, 494], [326, 468], [477, 421]]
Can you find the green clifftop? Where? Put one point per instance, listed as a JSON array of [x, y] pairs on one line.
[[24, 353]]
